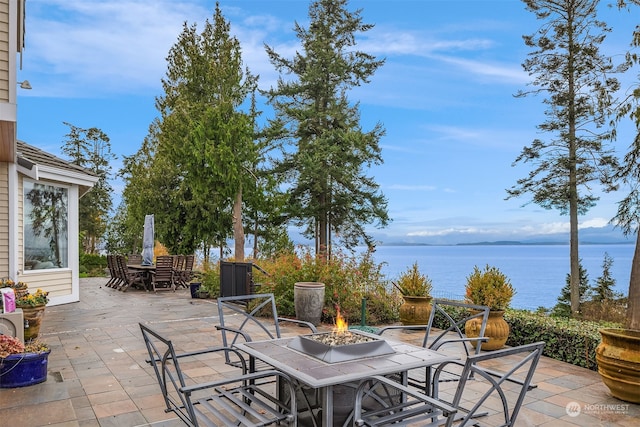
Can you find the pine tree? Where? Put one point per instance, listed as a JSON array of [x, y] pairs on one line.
[[568, 68], [201, 152], [91, 149], [330, 193], [603, 289], [563, 307]]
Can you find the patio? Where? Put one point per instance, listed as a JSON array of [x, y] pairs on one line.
[[97, 375]]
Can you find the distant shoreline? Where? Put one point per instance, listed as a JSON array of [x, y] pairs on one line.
[[504, 243]]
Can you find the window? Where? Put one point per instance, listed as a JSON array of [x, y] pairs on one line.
[[46, 225]]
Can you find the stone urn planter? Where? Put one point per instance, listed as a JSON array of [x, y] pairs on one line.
[[497, 330], [32, 320], [491, 288], [415, 288], [415, 310], [618, 357], [308, 298]]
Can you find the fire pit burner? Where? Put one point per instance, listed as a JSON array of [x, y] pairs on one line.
[[340, 346]]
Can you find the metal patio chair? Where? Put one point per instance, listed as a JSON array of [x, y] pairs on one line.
[[245, 318], [229, 401], [445, 332], [493, 392]]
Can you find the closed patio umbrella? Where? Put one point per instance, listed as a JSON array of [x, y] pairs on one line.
[[148, 240]]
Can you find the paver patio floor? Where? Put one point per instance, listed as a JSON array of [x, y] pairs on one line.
[[98, 377]]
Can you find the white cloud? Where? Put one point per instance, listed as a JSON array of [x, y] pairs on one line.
[[594, 223]]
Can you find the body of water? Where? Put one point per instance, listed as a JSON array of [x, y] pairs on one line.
[[537, 272]]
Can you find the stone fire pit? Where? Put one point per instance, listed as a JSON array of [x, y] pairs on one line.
[[341, 346]]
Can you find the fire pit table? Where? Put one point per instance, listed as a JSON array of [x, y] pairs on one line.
[[320, 365]]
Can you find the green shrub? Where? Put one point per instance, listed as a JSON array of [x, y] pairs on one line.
[[347, 279], [489, 287], [210, 280], [92, 265], [568, 340]]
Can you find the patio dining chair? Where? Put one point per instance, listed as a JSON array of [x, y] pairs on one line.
[[183, 270], [445, 332], [128, 278], [114, 277], [493, 393], [162, 278], [245, 318], [236, 400], [134, 259]]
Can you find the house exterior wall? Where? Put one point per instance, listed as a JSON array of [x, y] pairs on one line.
[[4, 219], [61, 283], [4, 50], [11, 24]]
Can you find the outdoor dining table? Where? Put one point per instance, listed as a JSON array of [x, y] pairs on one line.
[[325, 376], [147, 271]]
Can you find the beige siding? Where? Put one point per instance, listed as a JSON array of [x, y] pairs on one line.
[[19, 235], [57, 283], [4, 51], [4, 219]]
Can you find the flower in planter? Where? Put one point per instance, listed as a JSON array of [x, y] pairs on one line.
[[39, 298], [10, 345], [23, 297]]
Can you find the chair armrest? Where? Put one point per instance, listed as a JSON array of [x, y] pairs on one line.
[[243, 378], [299, 322], [436, 345], [199, 352], [244, 335], [437, 406], [403, 327]]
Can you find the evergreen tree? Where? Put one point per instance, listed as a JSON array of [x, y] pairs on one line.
[[568, 68], [628, 215], [200, 151], [563, 307], [91, 149], [603, 289], [326, 165]]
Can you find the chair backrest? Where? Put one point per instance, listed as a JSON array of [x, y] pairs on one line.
[[447, 325], [508, 381], [178, 262], [162, 357], [111, 265], [121, 266], [189, 260], [164, 268], [248, 318], [134, 259]]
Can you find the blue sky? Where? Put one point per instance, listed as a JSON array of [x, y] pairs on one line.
[[444, 96]]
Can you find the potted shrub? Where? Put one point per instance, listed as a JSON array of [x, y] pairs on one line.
[[32, 305], [618, 355], [22, 365], [491, 288], [415, 288]]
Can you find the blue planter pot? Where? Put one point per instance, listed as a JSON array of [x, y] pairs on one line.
[[21, 370]]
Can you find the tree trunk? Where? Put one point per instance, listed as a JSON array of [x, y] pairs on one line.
[[633, 304], [238, 230]]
